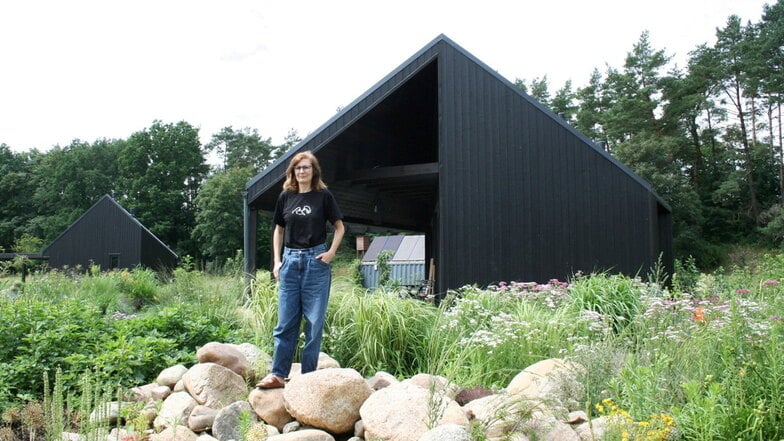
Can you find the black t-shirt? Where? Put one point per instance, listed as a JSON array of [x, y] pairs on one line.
[[304, 217]]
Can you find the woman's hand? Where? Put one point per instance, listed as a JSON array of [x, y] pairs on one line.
[[276, 270], [326, 257]]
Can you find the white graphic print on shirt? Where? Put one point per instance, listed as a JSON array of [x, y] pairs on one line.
[[302, 211]]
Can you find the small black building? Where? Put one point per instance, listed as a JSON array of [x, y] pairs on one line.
[[502, 188], [109, 236]]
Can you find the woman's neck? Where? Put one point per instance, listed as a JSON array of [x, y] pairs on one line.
[[304, 188]]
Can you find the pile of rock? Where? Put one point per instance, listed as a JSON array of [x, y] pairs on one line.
[[215, 400]]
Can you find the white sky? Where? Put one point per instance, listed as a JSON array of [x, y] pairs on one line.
[[108, 68]]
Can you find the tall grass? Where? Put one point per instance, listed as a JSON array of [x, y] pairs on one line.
[[378, 331]]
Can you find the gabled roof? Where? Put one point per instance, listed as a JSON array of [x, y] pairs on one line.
[[503, 188], [420, 176], [110, 203]]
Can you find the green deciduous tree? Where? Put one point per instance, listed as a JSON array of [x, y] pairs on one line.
[[16, 189], [70, 180], [219, 211], [161, 169], [243, 148]]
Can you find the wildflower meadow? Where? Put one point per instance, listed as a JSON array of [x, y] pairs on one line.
[[690, 357]]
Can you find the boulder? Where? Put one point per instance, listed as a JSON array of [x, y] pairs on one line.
[[467, 395], [175, 433], [324, 362], [381, 380], [404, 412], [435, 383], [260, 362], [226, 355], [447, 432], [553, 381], [214, 385], [143, 393], [546, 427], [108, 413], [303, 435], [499, 414], [201, 418], [175, 410], [160, 393], [270, 407], [171, 375], [228, 421], [327, 399], [598, 427], [261, 431]]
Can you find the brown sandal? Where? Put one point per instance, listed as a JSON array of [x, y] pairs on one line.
[[271, 382]]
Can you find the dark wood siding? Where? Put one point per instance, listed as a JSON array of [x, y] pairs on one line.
[[107, 230], [535, 199]]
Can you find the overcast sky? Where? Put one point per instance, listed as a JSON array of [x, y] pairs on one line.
[[108, 68]]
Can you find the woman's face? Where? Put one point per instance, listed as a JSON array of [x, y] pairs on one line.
[[303, 171]]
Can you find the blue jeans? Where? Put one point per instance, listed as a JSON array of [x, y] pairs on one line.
[[303, 291]]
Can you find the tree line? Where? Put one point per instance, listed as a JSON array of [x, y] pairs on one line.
[[707, 136], [159, 174]]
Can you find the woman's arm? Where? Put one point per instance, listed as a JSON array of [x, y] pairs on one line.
[[277, 250], [329, 255]]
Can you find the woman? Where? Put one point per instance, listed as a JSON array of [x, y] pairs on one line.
[[301, 264]]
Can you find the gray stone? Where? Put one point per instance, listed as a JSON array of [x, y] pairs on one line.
[[144, 393], [228, 421], [171, 375], [214, 385], [303, 435], [175, 410], [176, 433], [435, 383], [447, 432], [201, 418], [381, 380], [107, 413]]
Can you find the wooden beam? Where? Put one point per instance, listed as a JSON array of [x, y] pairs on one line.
[[398, 171]]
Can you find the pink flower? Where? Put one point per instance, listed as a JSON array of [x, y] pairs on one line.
[[742, 291], [770, 283]]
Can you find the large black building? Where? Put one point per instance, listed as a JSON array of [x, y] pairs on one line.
[[502, 188], [108, 236]]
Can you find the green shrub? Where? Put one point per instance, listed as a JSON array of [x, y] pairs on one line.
[[40, 337], [140, 286]]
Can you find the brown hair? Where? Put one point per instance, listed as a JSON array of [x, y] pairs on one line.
[[291, 180]]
